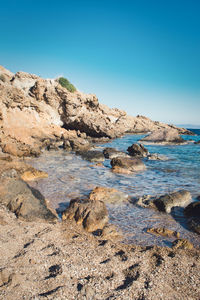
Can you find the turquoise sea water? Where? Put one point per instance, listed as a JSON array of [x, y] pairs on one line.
[[70, 176]]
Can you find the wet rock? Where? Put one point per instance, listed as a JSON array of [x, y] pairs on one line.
[[164, 136], [33, 174], [138, 150], [156, 156], [26, 202], [182, 244], [92, 215], [92, 156], [112, 152], [108, 195], [127, 165], [192, 212], [167, 202], [163, 232], [77, 144], [145, 201], [197, 142]]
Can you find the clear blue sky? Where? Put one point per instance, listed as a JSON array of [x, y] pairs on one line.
[[142, 56]]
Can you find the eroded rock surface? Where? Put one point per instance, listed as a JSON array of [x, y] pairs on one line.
[[164, 136], [24, 201], [91, 214], [34, 110], [138, 150], [127, 165], [167, 202]]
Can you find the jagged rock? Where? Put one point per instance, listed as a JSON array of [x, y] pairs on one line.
[[92, 215], [26, 202], [108, 195], [138, 150], [182, 244], [123, 164], [33, 109], [93, 156], [164, 232], [112, 152], [164, 136], [192, 212], [167, 202]]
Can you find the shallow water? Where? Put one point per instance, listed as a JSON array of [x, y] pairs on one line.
[[70, 176]]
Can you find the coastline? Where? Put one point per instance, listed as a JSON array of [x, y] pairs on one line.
[[44, 258]]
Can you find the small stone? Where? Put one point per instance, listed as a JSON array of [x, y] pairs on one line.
[[182, 244]]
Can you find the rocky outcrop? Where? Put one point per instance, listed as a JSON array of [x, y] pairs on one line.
[[164, 136], [91, 214], [126, 165], [34, 110]]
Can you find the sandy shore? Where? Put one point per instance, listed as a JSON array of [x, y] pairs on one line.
[[61, 261]]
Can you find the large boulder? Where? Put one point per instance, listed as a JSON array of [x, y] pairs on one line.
[[166, 202], [127, 165], [138, 150], [26, 202], [91, 214], [192, 212], [108, 195], [164, 136]]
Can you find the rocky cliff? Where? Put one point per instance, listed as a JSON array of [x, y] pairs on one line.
[[35, 111]]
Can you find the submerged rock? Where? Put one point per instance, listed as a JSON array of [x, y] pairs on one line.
[[24, 201], [112, 152], [92, 155], [156, 156], [163, 232], [164, 136], [138, 150], [126, 164], [108, 195], [192, 212], [91, 214], [166, 202]]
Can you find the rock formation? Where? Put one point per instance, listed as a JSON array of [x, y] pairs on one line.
[[36, 112], [164, 136]]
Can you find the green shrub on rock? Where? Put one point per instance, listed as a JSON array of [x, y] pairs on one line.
[[66, 84]]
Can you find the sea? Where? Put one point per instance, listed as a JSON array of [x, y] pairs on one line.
[[70, 176]]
